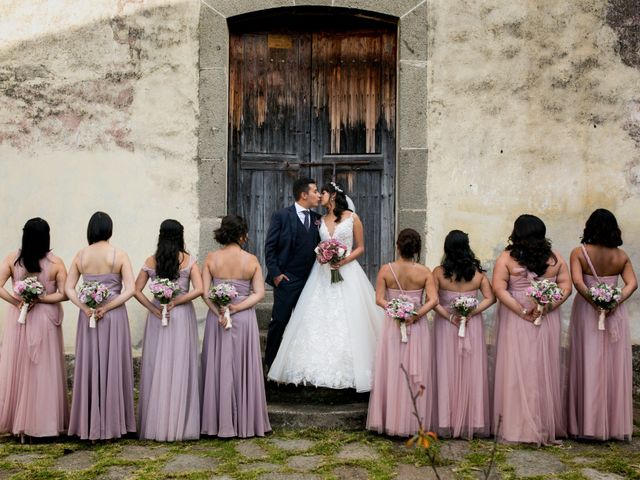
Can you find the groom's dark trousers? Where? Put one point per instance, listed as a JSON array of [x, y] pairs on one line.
[[289, 250]]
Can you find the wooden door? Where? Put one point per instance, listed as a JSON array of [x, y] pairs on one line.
[[318, 103]]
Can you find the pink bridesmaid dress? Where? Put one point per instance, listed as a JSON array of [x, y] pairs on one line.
[[461, 372], [33, 380], [390, 405], [600, 369], [170, 374], [527, 395], [233, 397], [102, 403]]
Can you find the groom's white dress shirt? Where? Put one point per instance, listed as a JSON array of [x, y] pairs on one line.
[[300, 211]]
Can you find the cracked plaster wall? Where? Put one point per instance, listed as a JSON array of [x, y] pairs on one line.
[[532, 106], [99, 111]]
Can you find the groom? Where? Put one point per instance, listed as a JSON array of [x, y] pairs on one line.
[[289, 254]]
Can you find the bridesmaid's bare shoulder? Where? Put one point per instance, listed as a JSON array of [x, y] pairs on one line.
[[11, 258], [150, 262], [438, 272]]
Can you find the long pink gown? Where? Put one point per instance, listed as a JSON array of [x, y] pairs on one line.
[[102, 403], [170, 375], [527, 395], [461, 372], [390, 406], [600, 370], [33, 379], [233, 397]]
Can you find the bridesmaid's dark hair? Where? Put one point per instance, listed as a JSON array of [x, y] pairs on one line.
[[35, 244], [602, 229], [232, 230], [459, 262], [529, 245], [170, 245], [409, 244], [340, 200], [100, 228]]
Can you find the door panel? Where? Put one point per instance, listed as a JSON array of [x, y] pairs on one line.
[[320, 104]]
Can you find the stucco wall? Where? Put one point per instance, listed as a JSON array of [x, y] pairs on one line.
[[504, 107], [531, 110], [98, 111]]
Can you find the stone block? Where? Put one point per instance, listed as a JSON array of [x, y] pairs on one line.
[[75, 461], [250, 449], [412, 104], [321, 3], [358, 451], [351, 473], [297, 444], [396, 8], [416, 219], [212, 134], [304, 463], [533, 463], [214, 39], [185, 462], [212, 187], [413, 34], [207, 243], [412, 179], [229, 8]]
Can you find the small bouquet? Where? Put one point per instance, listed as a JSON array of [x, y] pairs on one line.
[[463, 306], [28, 290], [164, 290], [221, 295], [332, 252], [401, 309], [606, 297], [543, 292], [93, 294]]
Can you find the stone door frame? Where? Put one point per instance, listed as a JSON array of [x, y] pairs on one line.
[[411, 108]]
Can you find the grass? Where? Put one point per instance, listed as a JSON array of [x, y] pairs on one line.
[[622, 459]]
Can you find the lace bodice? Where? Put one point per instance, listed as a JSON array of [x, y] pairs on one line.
[[343, 232]]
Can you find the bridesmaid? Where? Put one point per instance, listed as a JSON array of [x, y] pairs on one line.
[[33, 380], [461, 363], [102, 403], [527, 394], [170, 379], [233, 397], [390, 405], [600, 370]]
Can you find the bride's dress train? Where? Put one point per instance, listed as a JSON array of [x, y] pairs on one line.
[[331, 338]]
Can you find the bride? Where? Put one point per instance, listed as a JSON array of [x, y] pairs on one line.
[[331, 338]]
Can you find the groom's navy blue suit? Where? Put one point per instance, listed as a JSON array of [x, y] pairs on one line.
[[289, 250]]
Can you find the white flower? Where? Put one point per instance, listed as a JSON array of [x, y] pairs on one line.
[[341, 251]]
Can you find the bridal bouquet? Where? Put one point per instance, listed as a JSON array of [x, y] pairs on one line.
[[164, 290], [543, 292], [463, 306], [28, 290], [93, 294], [401, 310], [332, 252], [221, 295], [606, 297]]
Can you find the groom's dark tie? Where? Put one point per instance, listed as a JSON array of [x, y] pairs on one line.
[[307, 222]]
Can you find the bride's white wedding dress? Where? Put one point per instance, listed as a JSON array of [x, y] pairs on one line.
[[331, 338]]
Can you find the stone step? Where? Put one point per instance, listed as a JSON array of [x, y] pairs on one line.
[[311, 395], [263, 314], [350, 416]]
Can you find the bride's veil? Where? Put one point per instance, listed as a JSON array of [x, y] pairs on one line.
[[350, 204]]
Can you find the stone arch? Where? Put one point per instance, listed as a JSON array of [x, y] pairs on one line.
[[411, 141]]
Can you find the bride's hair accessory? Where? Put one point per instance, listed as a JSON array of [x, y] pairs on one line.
[[336, 187]]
